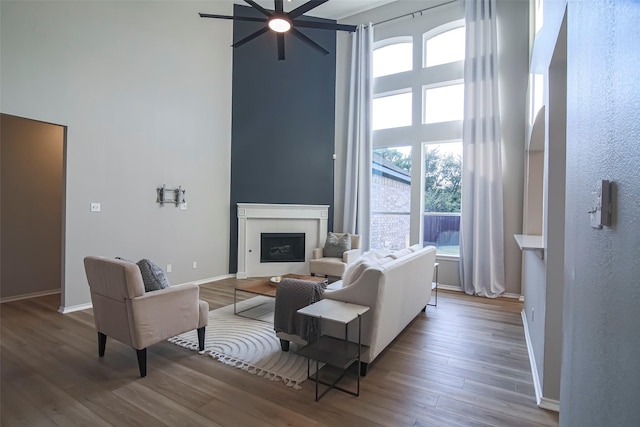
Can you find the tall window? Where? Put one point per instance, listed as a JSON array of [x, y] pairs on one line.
[[417, 133]]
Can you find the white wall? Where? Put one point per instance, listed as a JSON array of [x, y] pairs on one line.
[[145, 90], [513, 19]]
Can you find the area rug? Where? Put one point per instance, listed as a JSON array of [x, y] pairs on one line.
[[248, 344]]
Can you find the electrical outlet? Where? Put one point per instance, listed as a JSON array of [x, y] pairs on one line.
[[195, 264], [95, 207], [169, 268]]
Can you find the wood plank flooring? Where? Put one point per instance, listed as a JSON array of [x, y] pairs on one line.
[[464, 363]]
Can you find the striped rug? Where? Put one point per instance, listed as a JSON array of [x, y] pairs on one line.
[[248, 344]]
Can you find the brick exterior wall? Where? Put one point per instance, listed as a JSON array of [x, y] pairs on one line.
[[389, 195]]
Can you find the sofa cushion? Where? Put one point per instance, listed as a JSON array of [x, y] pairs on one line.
[[152, 275], [336, 245], [369, 259]]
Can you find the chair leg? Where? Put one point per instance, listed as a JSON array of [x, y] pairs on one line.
[[142, 361], [201, 339], [102, 343]]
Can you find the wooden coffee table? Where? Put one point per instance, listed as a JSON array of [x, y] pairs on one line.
[[262, 286]]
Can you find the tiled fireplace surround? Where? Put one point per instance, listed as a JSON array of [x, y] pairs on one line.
[[255, 218]]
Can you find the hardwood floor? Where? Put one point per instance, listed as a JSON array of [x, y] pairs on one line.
[[464, 363]]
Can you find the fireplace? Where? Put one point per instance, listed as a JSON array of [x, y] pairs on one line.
[[282, 247], [254, 219]]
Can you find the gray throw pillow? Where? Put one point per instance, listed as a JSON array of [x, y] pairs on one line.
[[152, 275], [336, 245]]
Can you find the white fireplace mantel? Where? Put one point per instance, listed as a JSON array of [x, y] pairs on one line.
[[257, 218]]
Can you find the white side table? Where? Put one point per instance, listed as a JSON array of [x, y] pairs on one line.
[[336, 352]]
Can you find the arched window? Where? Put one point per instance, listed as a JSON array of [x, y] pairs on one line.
[[444, 44]]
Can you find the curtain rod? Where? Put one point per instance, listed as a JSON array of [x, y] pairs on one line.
[[412, 14]]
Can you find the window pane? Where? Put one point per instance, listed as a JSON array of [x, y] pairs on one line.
[[390, 198], [444, 103], [445, 47], [392, 111], [392, 59], [442, 183]]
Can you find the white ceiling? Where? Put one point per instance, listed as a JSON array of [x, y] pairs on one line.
[[333, 9]]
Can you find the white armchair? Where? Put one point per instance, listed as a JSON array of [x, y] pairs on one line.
[[123, 310], [333, 266]]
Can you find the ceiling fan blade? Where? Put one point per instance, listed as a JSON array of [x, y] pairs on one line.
[[324, 25], [258, 7], [235, 18], [278, 6], [280, 40], [250, 37], [308, 41], [301, 10]]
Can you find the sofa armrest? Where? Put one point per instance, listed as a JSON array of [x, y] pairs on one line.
[[162, 314], [351, 255]]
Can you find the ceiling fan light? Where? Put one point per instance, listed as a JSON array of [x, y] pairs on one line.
[[279, 25]]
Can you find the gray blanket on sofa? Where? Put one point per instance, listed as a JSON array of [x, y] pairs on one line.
[[292, 295]]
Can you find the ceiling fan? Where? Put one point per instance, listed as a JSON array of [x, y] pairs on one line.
[[282, 22]]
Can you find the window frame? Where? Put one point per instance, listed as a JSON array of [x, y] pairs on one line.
[[419, 134]]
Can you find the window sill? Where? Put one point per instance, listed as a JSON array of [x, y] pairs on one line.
[[442, 257]]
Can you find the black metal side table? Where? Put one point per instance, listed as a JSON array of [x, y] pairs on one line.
[[336, 352]]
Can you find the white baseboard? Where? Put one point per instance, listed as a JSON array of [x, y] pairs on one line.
[[212, 279], [541, 401], [29, 296], [66, 310], [549, 404], [456, 288], [79, 307], [453, 288], [513, 296]]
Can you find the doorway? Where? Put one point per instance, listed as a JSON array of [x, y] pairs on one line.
[[32, 208]]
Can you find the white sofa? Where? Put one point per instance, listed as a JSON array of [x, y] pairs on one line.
[[396, 286]]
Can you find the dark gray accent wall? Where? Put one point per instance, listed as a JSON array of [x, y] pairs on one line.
[[283, 121]]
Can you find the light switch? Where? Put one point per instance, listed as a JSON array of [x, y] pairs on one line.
[[95, 207], [600, 210]]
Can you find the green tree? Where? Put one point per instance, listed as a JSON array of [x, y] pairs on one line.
[[443, 176], [403, 161]]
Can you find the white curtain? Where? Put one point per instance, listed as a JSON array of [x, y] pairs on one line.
[[482, 240], [357, 194]]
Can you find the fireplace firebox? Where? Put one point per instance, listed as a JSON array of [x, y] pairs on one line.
[[282, 247]]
